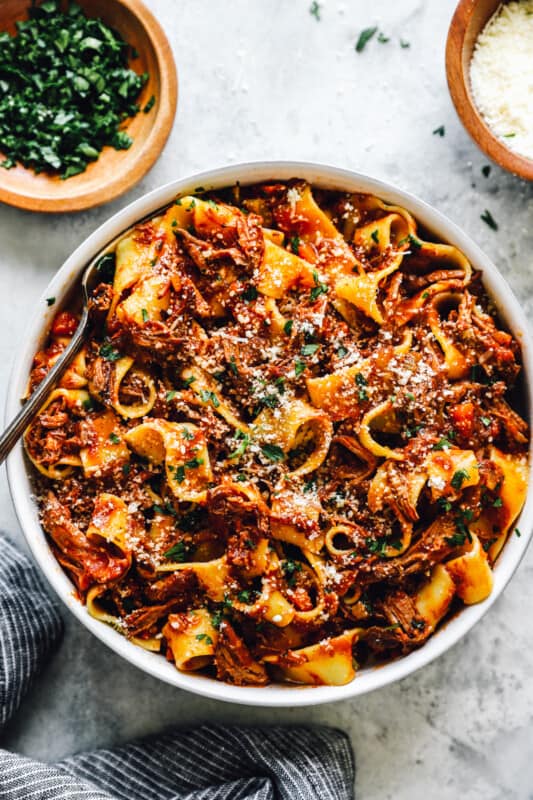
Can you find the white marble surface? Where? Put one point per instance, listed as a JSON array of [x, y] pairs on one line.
[[265, 80]]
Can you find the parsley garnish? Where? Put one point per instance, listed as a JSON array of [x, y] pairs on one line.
[[314, 10], [177, 552], [233, 365], [290, 568], [194, 463], [485, 171], [442, 444], [415, 242], [149, 105], [309, 349], [65, 89], [364, 38], [204, 637], [273, 452], [457, 540], [440, 131], [114, 438], [382, 39], [404, 44], [244, 596], [108, 352], [288, 326], [144, 313], [250, 293], [170, 395], [299, 367], [458, 478], [375, 236], [517, 532], [318, 288], [489, 220], [206, 396], [485, 421], [245, 441], [295, 244], [498, 503], [50, 301]]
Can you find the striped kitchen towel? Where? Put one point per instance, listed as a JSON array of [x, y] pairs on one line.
[[209, 763]]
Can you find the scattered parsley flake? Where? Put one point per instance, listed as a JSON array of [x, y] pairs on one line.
[[109, 353], [489, 220], [375, 236], [364, 37], [288, 326], [459, 476], [486, 170], [314, 10], [204, 637], [50, 301], [309, 349], [440, 131], [144, 313], [114, 438], [273, 452]]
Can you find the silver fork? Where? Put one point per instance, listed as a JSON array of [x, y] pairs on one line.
[[31, 407]]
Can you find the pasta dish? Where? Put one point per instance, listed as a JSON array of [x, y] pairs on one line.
[[291, 444]]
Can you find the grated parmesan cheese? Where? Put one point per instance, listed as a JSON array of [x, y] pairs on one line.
[[501, 75]]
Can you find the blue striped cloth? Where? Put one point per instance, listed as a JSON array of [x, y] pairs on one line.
[[209, 763]]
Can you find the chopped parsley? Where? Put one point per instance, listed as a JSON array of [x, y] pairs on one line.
[[149, 105], [233, 365], [207, 396], [364, 37], [361, 381], [375, 236], [288, 327], [485, 171], [114, 438], [456, 540], [294, 243], [273, 452], [109, 353], [319, 288], [440, 131], [314, 10], [144, 313], [299, 367], [194, 463], [404, 44], [204, 637], [50, 301], [414, 241], [498, 503], [485, 421], [170, 395], [290, 570], [65, 89], [177, 552], [309, 349], [244, 596], [458, 478], [517, 532], [382, 39], [250, 293], [443, 444], [489, 220], [244, 442]]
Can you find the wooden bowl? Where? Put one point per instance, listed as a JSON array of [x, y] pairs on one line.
[[115, 171], [469, 19]]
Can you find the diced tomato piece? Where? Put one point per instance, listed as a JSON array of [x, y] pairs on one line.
[[64, 324], [463, 419]]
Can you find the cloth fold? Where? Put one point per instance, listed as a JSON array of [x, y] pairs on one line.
[[208, 763]]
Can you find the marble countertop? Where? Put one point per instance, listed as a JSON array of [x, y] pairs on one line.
[[266, 80]]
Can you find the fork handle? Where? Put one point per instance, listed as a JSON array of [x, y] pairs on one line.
[[18, 425]]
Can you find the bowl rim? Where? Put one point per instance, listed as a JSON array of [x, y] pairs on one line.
[[458, 79], [276, 695], [145, 158]]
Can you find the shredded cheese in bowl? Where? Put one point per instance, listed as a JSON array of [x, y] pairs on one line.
[[501, 75]]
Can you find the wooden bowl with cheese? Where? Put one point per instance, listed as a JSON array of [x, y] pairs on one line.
[[503, 46]]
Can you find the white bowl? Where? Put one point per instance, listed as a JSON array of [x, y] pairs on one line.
[[19, 474]]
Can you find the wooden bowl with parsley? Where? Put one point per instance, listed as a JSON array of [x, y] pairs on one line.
[[88, 94]]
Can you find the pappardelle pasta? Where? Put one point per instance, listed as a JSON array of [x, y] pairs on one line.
[[290, 444]]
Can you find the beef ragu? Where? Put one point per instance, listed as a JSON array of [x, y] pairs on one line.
[[289, 443]]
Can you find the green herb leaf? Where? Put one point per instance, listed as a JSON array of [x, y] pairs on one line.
[[440, 131], [375, 236], [294, 243], [149, 105], [485, 171], [489, 220], [314, 10], [114, 438], [459, 476], [273, 452], [309, 349], [50, 301], [108, 352], [144, 313], [364, 38], [177, 552], [288, 327], [299, 367], [170, 395]]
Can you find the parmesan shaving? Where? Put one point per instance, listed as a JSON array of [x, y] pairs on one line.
[[502, 78]]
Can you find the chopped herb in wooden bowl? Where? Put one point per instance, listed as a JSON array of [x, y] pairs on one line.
[[65, 90]]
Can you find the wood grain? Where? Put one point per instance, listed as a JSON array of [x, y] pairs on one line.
[[115, 171], [468, 21]]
